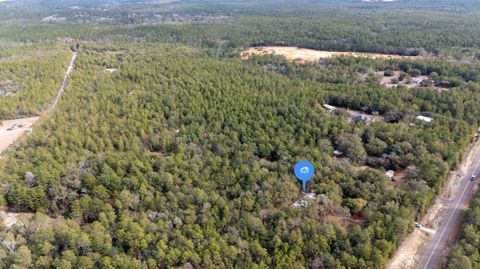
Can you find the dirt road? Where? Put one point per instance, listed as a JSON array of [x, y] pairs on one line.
[[64, 82], [424, 248]]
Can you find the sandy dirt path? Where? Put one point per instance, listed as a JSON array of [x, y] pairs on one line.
[[413, 246]]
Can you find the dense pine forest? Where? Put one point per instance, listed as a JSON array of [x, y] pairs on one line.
[[169, 151], [29, 77]]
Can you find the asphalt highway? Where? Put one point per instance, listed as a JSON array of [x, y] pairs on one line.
[[452, 220]]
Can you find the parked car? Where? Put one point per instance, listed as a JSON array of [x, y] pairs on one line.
[[472, 178], [418, 225]]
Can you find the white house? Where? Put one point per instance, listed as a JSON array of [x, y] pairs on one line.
[[425, 119]]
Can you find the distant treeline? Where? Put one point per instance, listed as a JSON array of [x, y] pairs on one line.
[[381, 29]]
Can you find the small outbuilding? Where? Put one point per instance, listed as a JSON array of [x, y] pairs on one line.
[[425, 119], [390, 174], [361, 118], [337, 153], [329, 107]]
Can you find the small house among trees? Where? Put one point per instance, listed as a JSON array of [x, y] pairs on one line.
[[362, 118], [424, 118]]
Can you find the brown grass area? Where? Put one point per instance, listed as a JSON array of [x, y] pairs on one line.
[[308, 55]]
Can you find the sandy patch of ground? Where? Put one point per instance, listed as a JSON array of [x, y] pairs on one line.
[[398, 178], [11, 130], [428, 230], [9, 218], [408, 254], [308, 55]]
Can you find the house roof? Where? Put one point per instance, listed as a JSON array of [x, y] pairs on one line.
[[425, 119], [361, 117], [390, 173], [329, 107], [337, 152]]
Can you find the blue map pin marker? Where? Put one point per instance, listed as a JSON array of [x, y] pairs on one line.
[[304, 171]]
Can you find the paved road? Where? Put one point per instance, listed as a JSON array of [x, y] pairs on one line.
[[430, 259]]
